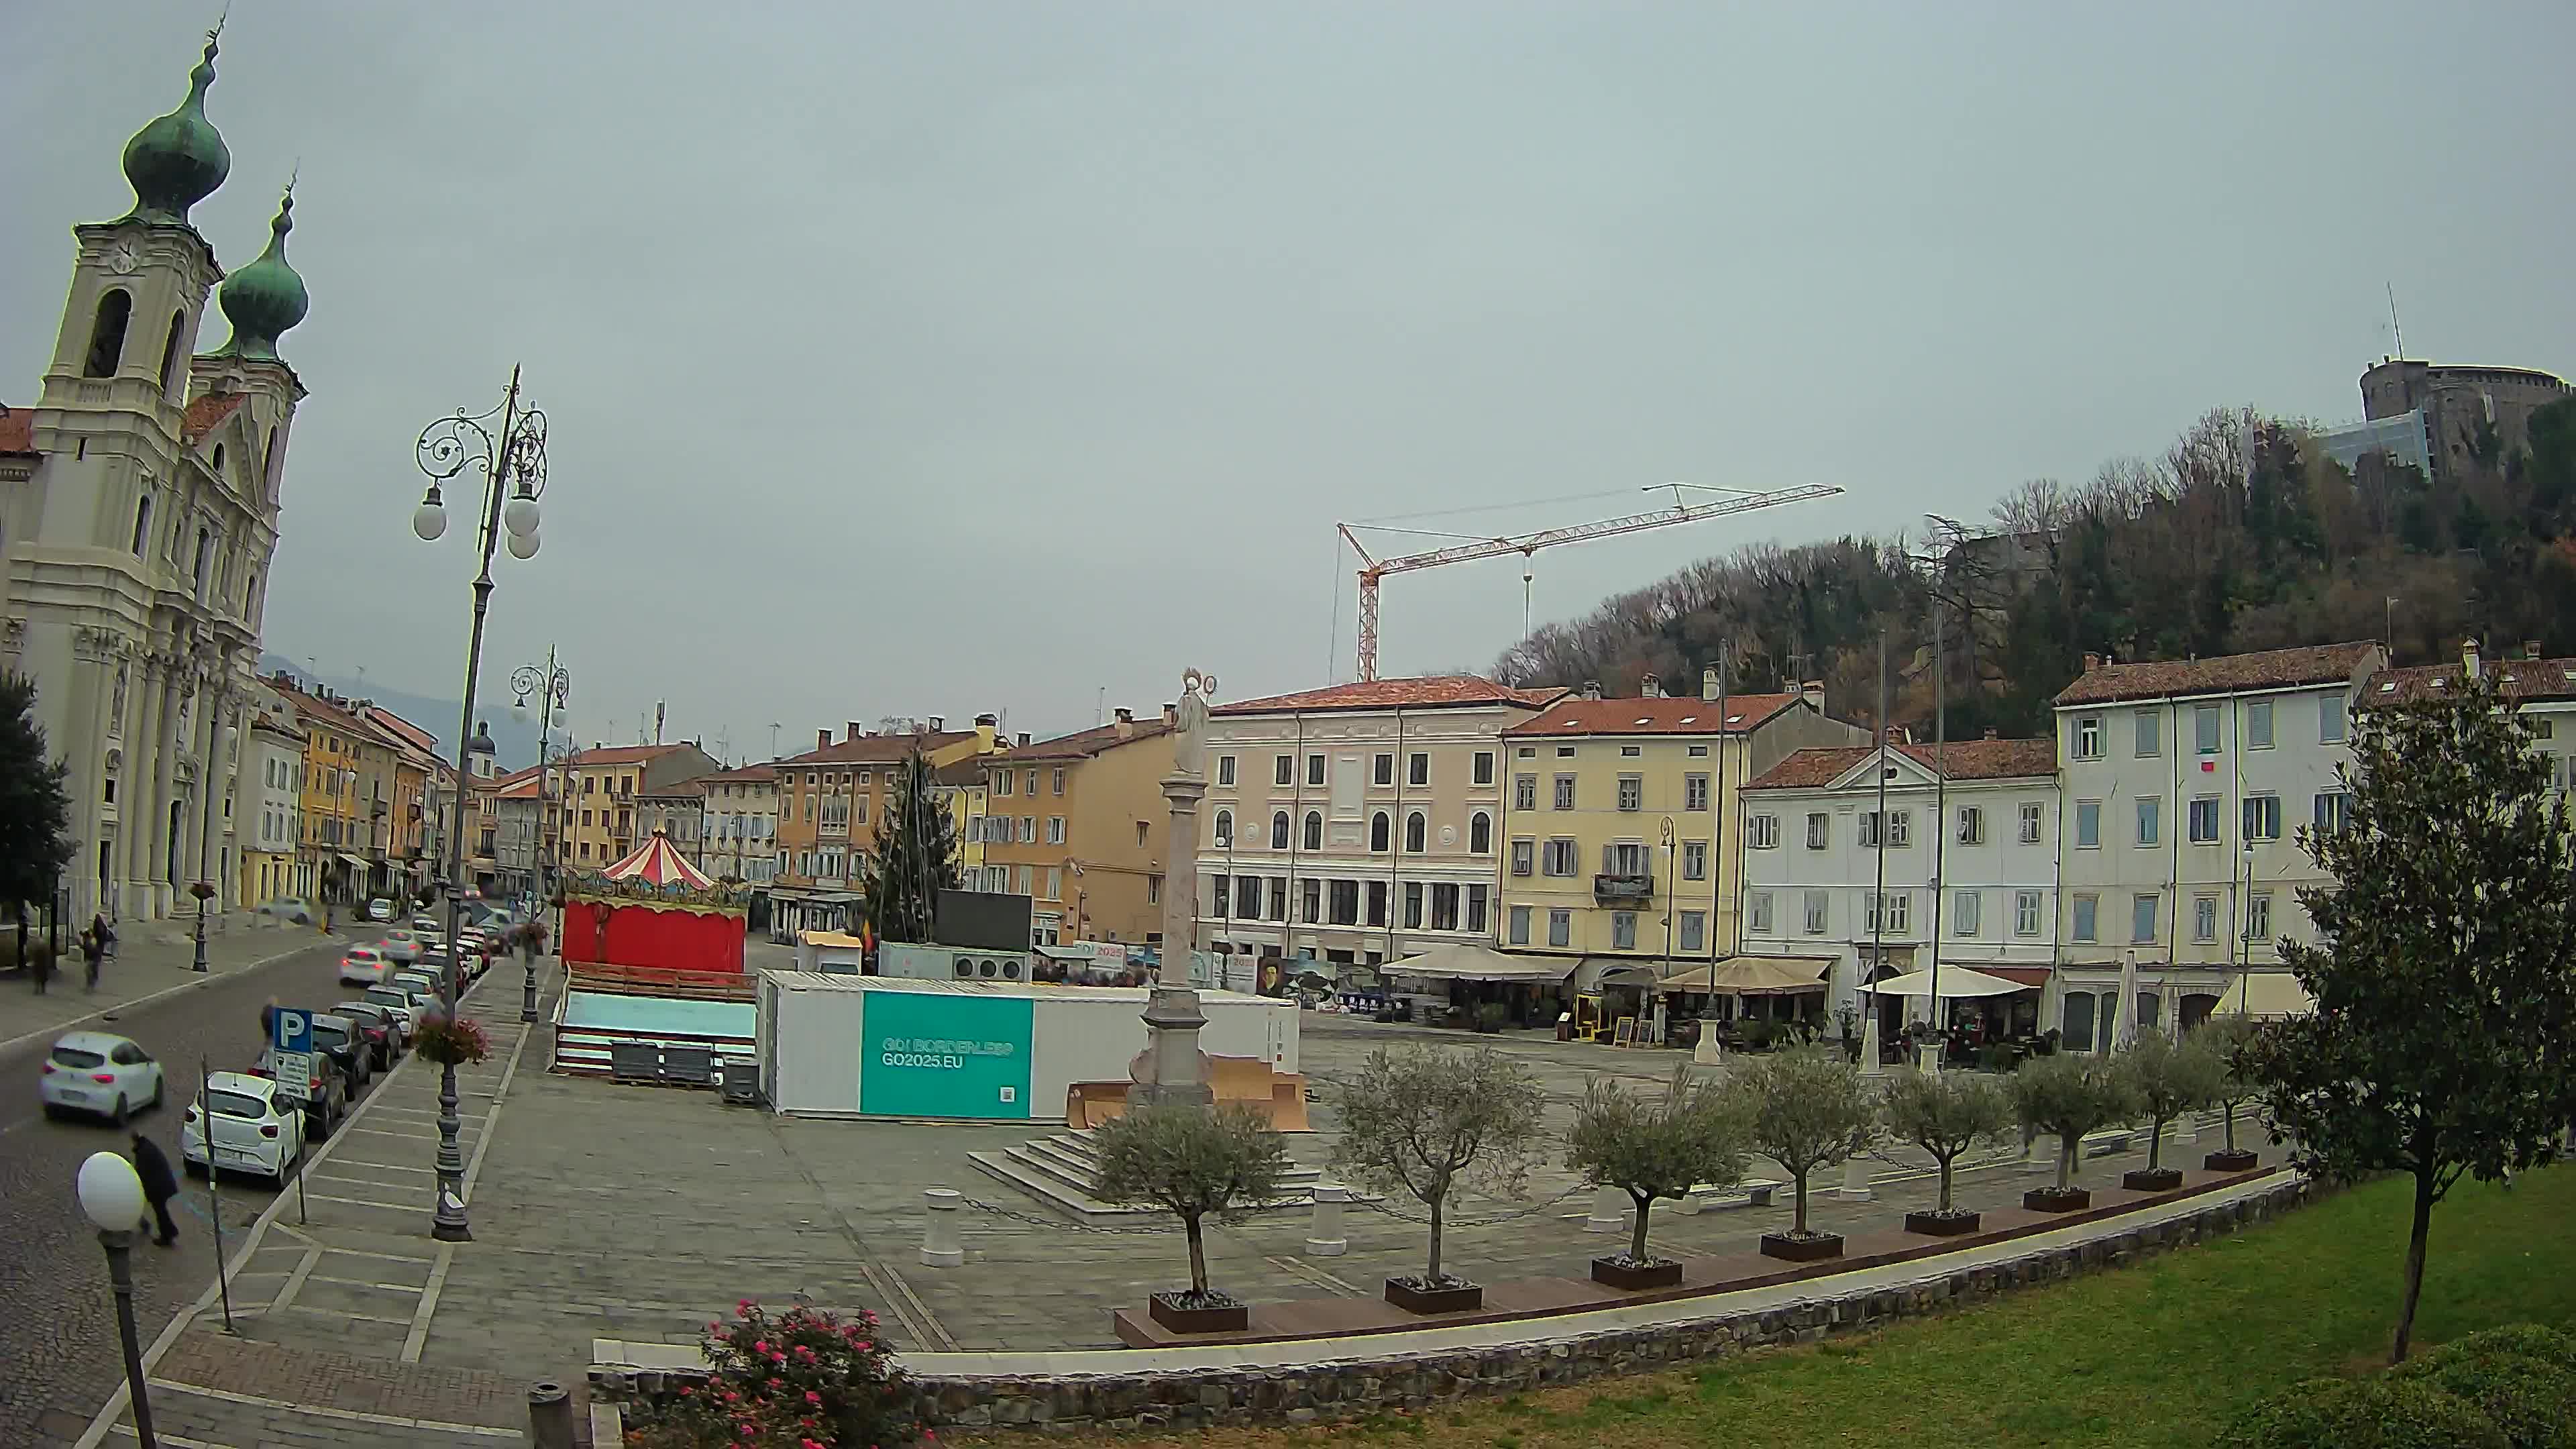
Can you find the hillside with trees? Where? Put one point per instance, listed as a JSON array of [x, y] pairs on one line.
[[2202, 550]]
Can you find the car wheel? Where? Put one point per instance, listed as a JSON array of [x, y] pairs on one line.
[[192, 1167], [160, 1086], [116, 1118], [53, 1112]]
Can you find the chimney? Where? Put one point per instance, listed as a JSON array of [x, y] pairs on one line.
[[2531, 649], [1126, 724], [939, 724], [1990, 732], [1592, 689], [855, 731], [822, 739], [1814, 690], [1171, 716], [2092, 662], [1650, 686], [1024, 739], [1708, 685], [2469, 657]]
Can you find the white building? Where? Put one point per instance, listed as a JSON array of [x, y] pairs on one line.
[[1965, 868], [2184, 784], [1293, 857], [268, 809], [138, 514], [742, 824]]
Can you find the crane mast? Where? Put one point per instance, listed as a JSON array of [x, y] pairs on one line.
[[1373, 570]]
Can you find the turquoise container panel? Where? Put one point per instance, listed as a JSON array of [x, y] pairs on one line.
[[933, 1054]]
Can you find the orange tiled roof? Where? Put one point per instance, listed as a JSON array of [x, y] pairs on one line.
[[877, 749], [1433, 691], [621, 754], [1660, 716], [17, 430], [1960, 760], [2522, 679], [763, 773], [1083, 744], [2225, 674], [208, 413]]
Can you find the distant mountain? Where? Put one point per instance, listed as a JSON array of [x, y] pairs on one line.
[[514, 736]]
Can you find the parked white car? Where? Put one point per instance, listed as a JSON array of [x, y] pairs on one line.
[[400, 945], [97, 1073], [380, 909], [398, 1001], [363, 966], [252, 1130]]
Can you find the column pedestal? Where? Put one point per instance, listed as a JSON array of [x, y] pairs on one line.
[[1171, 1071]]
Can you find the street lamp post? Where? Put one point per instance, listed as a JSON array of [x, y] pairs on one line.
[[514, 477], [111, 1197], [203, 892], [553, 686]]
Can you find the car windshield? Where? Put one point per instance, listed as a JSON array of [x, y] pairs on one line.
[[329, 1036], [76, 1059], [234, 1104], [384, 997]]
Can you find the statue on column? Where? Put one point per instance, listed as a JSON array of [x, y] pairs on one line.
[[1189, 735]]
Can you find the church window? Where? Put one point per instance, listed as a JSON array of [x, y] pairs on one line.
[[219, 460], [107, 333], [142, 523], [170, 350], [205, 554]]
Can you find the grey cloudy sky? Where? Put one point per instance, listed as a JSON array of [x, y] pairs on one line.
[[937, 358]]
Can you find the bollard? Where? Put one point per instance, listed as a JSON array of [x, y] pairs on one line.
[[1609, 1211], [1325, 1237], [940, 1245], [2039, 1154], [549, 1416], [1688, 1204], [2187, 1127], [1855, 1180]]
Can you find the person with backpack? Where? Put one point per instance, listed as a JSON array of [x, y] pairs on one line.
[[160, 1185], [93, 950]]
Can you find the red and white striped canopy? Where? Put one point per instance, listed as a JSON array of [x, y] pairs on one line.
[[656, 864]]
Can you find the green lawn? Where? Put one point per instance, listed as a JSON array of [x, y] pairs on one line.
[[2158, 1354]]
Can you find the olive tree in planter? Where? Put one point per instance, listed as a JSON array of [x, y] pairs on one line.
[[1946, 1114], [2226, 1038], [1426, 1122], [1194, 1163], [1653, 1149], [2165, 1079], [2067, 1096], [1808, 1110]]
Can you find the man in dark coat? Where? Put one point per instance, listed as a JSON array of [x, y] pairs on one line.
[[160, 1185]]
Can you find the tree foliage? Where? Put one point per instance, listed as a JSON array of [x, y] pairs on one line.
[[1809, 1108], [2066, 1096], [1426, 1122], [2228, 1039], [1194, 1163], [1652, 1148], [1946, 1114], [2167, 1078], [916, 856], [35, 809], [2443, 1042]]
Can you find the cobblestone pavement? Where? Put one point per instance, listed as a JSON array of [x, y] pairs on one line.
[[332, 1294], [58, 1350]]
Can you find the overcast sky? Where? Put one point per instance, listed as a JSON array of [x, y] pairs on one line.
[[931, 359]]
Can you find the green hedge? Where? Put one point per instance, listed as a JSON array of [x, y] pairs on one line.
[[2523, 1376], [2375, 1413]]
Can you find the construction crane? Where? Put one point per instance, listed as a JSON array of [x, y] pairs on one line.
[[1375, 569]]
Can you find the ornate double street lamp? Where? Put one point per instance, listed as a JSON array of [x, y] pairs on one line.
[[111, 1197], [553, 686], [514, 477]]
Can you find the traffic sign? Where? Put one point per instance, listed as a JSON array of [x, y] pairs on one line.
[[291, 1053]]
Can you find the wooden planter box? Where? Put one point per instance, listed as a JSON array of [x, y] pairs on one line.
[[1941, 1225], [1459, 1299], [1213, 1318], [2156, 1179], [2050, 1200], [2222, 1160], [1802, 1250], [1618, 1273]]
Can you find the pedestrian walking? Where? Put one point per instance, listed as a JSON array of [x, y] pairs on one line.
[[268, 1021], [40, 969], [160, 1185], [92, 950]]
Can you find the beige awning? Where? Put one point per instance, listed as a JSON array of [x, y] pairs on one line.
[[1956, 981], [2266, 994], [1466, 962], [1753, 976]]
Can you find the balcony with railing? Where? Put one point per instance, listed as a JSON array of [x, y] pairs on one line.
[[1623, 888]]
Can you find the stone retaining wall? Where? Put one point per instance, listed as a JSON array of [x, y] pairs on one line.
[[1348, 1387]]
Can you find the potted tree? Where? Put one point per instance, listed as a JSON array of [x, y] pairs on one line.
[[1654, 1149], [1425, 1122], [2066, 1096], [2227, 1038], [1809, 1109], [1192, 1162], [2165, 1079], [1945, 1114]]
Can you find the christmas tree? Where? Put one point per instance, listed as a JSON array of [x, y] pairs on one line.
[[916, 857]]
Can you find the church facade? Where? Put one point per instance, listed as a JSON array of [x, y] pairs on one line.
[[138, 517]]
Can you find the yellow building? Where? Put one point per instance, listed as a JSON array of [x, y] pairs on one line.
[[1079, 825], [1613, 820], [331, 853], [831, 800], [600, 786], [961, 788]]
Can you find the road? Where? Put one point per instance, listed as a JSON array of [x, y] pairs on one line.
[[57, 1319]]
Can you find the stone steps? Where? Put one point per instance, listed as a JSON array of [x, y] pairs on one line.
[[1062, 1172]]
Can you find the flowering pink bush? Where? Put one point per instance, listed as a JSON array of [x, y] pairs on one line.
[[803, 1379], [451, 1041]]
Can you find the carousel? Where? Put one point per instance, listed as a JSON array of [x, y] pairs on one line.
[[655, 912], [654, 989]]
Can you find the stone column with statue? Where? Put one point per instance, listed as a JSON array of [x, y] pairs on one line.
[[1172, 1071]]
